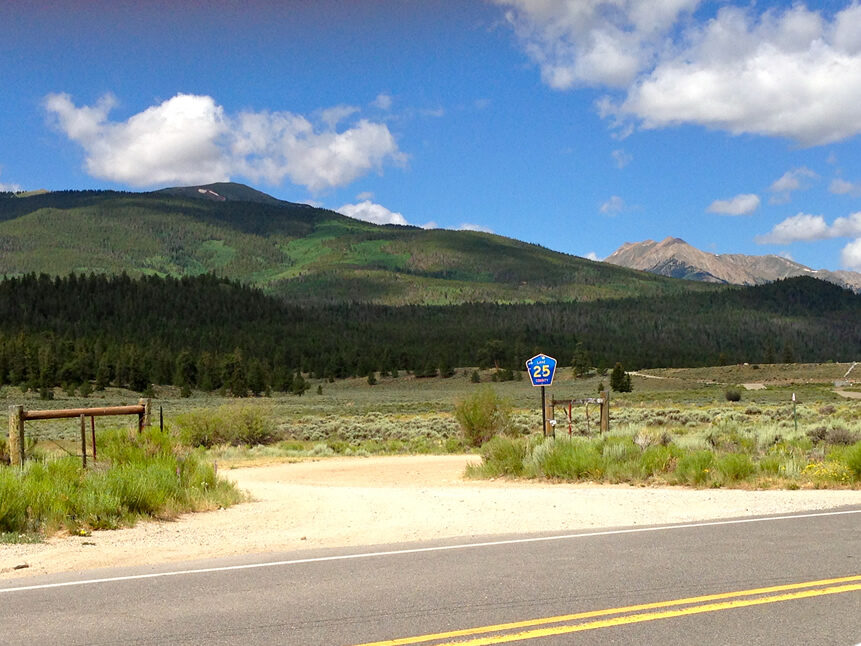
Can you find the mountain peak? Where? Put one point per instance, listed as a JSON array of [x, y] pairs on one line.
[[676, 258], [222, 192]]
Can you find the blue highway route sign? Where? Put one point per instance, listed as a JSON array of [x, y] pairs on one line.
[[541, 369]]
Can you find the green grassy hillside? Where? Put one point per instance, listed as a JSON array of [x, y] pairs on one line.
[[295, 250]]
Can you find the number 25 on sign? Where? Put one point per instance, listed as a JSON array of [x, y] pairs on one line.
[[541, 369]]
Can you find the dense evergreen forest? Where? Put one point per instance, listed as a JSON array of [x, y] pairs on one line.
[[209, 333]]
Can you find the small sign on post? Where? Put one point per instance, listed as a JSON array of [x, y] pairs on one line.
[[541, 369]]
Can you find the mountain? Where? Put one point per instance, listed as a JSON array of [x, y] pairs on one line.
[[298, 252], [676, 258]]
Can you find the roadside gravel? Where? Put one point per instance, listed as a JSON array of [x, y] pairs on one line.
[[341, 502]]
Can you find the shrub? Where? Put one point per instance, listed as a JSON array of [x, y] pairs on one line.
[[233, 425], [695, 468], [482, 415], [503, 456], [840, 437], [852, 459], [735, 466], [571, 460], [659, 459], [733, 394]]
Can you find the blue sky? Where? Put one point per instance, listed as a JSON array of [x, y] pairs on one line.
[[575, 124]]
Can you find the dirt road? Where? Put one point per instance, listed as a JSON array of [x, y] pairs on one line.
[[340, 502]]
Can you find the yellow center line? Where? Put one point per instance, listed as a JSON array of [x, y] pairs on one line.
[[531, 623], [650, 616]]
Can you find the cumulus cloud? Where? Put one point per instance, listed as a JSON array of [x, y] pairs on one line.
[[593, 42], [791, 181], [592, 256], [804, 227], [190, 139], [613, 206], [840, 186], [743, 204], [372, 212], [793, 73], [850, 256]]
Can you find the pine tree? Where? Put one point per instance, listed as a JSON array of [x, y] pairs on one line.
[[620, 381]]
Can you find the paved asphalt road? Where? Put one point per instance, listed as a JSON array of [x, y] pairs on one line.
[[784, 580]]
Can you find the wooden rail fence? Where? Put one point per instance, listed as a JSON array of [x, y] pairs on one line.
[[17, 417]]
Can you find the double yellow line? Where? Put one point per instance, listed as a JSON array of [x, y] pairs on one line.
[[543, 627]]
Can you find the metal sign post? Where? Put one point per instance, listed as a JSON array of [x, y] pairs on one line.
[[541, 369]]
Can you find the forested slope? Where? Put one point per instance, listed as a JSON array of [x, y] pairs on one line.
[[209, 333]]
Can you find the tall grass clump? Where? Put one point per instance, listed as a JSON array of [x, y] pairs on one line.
[[501, 456], [695, 468], [571, 459], [233, 425], [137, 475], [482, 415]]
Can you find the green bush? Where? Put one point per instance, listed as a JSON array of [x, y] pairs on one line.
[[137, 475], [852, 459], [695, 468], [657, 460], [571, 460], [503, 456], [735, 466], [482, 415], [234, 425], [733, 394]]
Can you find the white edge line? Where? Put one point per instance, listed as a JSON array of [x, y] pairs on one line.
[[419, 550]]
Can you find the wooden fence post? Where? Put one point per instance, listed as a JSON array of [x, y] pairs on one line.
[[605, 412], [84, 440], [550, 419], [16, 435], [146, 418]]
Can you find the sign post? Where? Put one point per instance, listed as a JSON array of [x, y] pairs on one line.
[[541, 369]]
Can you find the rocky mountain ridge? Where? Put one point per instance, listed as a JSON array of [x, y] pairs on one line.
[[676, 258]]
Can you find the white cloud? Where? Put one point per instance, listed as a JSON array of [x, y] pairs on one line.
[[592, 256], [842, 187], [593, 42], [365, 195], [850, 256], [189, 139], [336, 114], [467, 226], [798, 227], [176, 141], [621, 158], [613, 206], [11, 188], [383, 102], [371, 212], [743, 204], [792, 72], [791, 181], [849, 227], [804, 227]]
